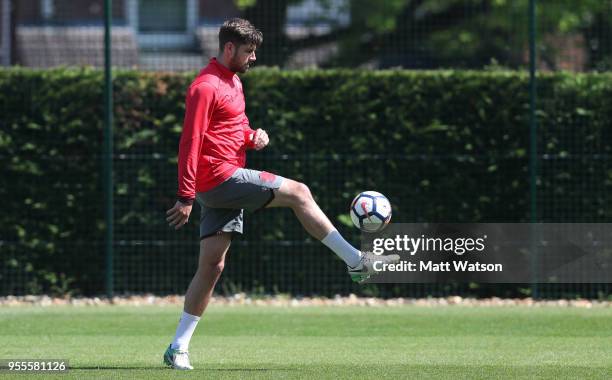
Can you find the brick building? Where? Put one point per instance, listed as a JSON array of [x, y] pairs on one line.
[[156, 34], [148, 34]]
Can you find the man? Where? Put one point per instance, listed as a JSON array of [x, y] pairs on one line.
[[212, 147]]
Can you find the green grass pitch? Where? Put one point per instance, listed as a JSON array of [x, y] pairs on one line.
[[318, 342]]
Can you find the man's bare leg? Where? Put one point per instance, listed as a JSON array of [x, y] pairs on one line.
[[297, 196], [210, 266]]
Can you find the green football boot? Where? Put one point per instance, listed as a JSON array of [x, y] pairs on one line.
[[177, 359], [365, 269]]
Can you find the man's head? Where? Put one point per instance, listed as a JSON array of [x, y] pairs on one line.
[[238, 40]]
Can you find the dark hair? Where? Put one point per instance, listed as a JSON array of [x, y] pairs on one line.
[[239, 32]]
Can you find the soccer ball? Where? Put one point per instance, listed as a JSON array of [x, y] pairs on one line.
[[370, 211]]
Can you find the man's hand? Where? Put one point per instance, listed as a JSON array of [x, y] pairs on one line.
[[260, 139], [178, 215]]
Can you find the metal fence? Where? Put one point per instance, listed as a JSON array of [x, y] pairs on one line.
[[170, 35]]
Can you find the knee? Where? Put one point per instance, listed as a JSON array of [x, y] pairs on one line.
[[212, 267], [217, 268], [302, 194]]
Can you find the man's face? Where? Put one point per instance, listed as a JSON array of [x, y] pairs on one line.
[[243, 56]]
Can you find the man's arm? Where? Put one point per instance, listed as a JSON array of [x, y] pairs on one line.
[[198, 110]]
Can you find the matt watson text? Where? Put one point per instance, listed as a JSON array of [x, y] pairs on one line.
[[430, 266]]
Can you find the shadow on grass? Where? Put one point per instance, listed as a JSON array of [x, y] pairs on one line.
[[101, 368]]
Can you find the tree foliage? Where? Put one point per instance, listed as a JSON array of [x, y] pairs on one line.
[[442, 145], [447, 33]]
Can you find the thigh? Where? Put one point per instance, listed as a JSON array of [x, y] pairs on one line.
[[287, 193], [214, 248], [245, 189]]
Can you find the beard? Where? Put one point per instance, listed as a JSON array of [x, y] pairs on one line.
[[244, 68], [237, 67]]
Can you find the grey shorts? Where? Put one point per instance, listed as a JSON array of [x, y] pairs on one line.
[[223, 205]]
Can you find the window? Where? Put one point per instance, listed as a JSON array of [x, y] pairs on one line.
[[162, 16]]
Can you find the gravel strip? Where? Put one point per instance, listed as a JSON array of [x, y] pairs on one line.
[[240, 299]]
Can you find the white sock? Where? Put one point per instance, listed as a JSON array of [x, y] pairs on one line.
[[184, 331], [342, 248]]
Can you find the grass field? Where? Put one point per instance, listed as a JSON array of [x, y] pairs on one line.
[[318, 342]]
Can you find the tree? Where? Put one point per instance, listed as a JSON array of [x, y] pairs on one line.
[[446, 33]]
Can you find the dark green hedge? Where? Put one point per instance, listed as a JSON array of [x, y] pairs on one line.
[[443, 146]]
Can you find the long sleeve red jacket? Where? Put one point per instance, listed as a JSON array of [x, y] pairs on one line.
[[216, 132]]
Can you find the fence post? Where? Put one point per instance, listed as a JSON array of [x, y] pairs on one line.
[[108, 148], [5, 43], [533, 147]]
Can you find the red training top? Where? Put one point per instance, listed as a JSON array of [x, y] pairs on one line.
[[216, 131]]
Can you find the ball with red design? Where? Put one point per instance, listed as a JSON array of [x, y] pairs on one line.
[[370, 211]]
